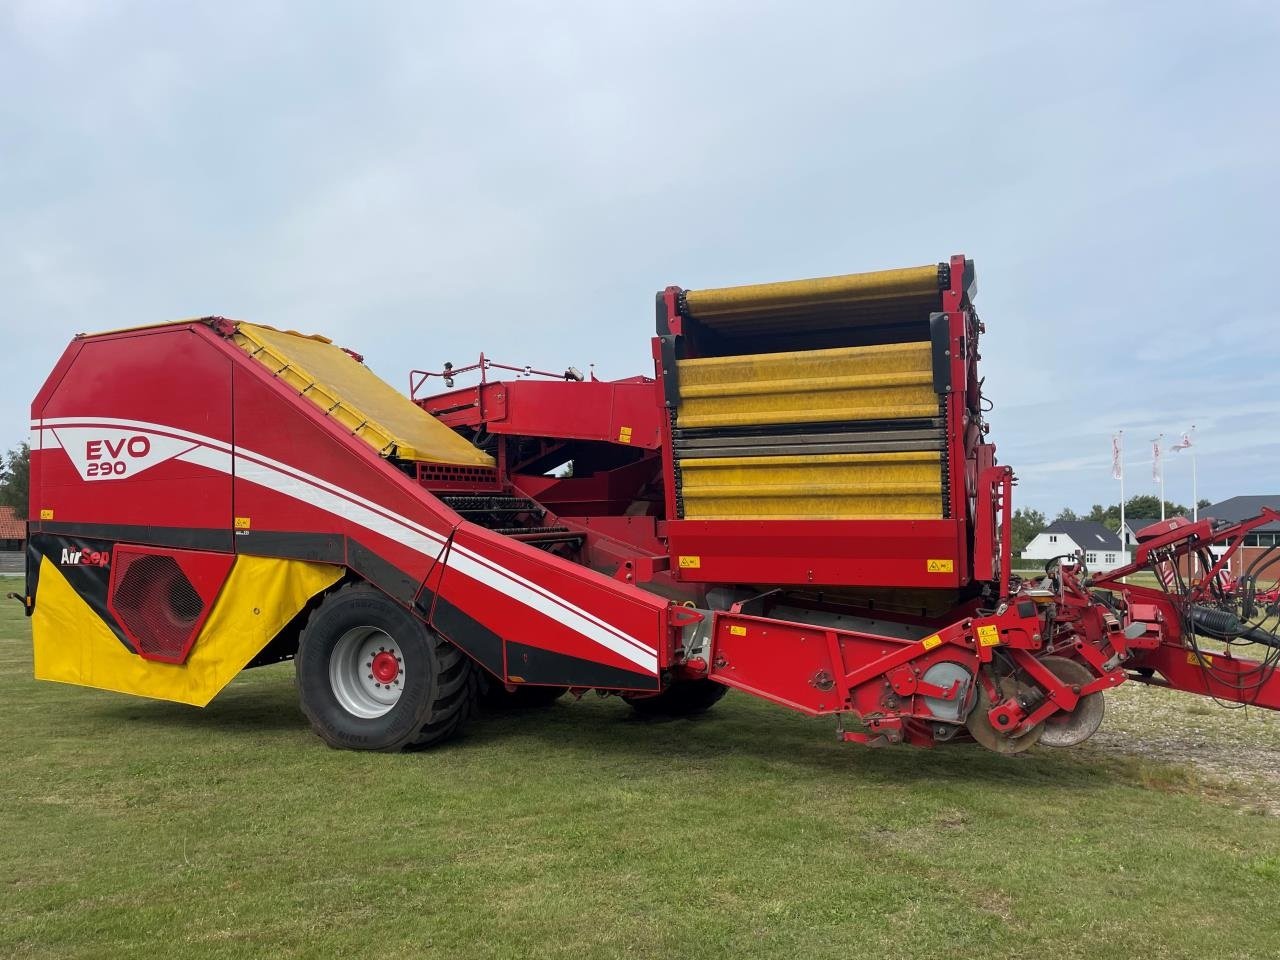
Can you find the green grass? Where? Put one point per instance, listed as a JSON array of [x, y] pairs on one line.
[[138, 829]]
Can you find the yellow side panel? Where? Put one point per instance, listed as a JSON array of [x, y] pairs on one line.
[[885, 381], [261, 595], [830, 487], [356, 397], [805, 294]]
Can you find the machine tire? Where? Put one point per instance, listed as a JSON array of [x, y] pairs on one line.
[[687, 698], [496, 698], [440, 684]]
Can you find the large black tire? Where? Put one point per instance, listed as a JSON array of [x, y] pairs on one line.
[[496, 698], [439, 689], [684, 699]]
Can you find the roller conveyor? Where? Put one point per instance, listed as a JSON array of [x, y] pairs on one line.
[[814, 399]]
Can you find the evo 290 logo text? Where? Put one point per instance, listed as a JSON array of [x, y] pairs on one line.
[[106, 458], [110, 453]]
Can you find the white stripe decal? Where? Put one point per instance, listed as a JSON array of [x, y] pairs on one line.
[[44, 438], [298, 489], [272, 474]]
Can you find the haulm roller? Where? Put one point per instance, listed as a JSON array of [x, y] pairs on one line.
[[800, 503]]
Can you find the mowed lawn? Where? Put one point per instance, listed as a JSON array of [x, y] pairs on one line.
[[138, 829]]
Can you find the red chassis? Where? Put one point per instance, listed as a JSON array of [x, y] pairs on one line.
[[910, 627]]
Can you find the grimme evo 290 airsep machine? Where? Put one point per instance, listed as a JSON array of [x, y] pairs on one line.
[[800, 503]]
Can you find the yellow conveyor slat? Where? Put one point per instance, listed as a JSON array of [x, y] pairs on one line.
[[821, 292], [884, 381], [834, 486]]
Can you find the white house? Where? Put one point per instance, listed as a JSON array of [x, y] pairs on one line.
[[1131, 527], [1102, 548]]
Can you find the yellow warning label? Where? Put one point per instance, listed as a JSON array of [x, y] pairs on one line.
[[46, 514], [737, 631], [242, 523], [624, 435], [989, 635], [930, 642], [690, 563], [940, 566], [1202, 658]]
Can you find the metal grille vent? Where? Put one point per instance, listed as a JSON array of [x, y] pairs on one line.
[[156, 603]]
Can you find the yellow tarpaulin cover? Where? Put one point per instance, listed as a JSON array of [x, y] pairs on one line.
[[261, 595], [356, 397]]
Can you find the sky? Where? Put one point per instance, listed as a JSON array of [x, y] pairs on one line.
[[422, 182]]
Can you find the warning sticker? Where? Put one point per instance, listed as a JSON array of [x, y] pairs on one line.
[[989, 635], [242, 523], [624, 435], [940, 566], [1195, 661], [737, 631], [46, 514], [930, 642], [690, 563]]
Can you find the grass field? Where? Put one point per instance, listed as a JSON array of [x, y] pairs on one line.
[[138, 829]]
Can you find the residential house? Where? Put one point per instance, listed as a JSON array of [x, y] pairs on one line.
[[1103, 550]]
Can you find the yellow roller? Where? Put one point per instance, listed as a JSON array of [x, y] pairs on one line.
[[908, 282], [356, 397], [884, 381], [825, 487]]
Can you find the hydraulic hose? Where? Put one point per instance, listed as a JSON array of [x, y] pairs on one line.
[[1225, 625]]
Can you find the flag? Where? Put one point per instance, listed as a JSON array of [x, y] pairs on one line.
[[1117, 458], [1183, 443], [1155, 459]]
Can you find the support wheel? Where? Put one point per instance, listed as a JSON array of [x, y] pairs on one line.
[[687, 698], [980, 728], [1068, 729], [372, 676]]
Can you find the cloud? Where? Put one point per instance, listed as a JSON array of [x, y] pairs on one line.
[[424, 182]]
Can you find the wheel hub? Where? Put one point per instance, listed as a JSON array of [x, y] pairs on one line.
[[384, 667], [366, 672]]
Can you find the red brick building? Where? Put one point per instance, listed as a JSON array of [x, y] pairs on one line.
[[1258, 542], [13, 530]]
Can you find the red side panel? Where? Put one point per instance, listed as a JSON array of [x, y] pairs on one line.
[[908, 553], [629, 412], [563, 623], [167, 377]]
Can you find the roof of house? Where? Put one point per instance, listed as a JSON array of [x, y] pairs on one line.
[[12, 527], [1242, 508], [1086, 534]]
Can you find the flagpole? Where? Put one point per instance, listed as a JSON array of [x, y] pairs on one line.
[[1194, 492], [1122, 532], [1160, 470]]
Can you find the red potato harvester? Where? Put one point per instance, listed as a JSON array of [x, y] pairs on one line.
[[801, 503]]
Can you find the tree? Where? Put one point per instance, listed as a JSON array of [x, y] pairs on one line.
[[1202, 503], [1026, 524], [1066, 513], [15, 478], [1148, 505]]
